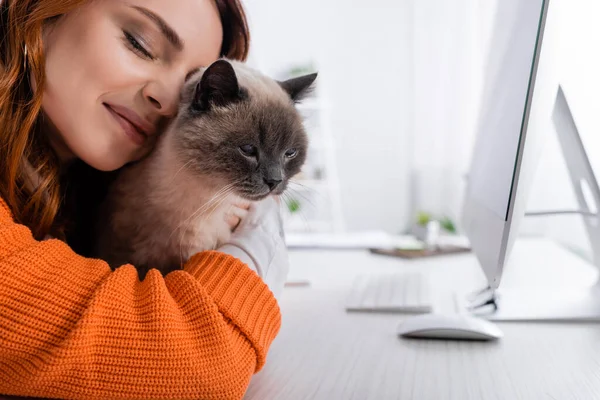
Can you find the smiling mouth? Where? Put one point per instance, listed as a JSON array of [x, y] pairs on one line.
[[132, 131]]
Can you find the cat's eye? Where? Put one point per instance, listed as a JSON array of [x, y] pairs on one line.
[[248, 150], [291, 153], [136, 46]]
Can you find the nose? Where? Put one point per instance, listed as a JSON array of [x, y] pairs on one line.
[[272, 183], [162, 97]]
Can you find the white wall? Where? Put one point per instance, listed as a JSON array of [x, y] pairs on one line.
[[363, 50], [449, 47]]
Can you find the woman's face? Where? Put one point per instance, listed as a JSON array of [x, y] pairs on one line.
[[114, 70]]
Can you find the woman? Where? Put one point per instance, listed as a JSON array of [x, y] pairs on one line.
[[95, 81]]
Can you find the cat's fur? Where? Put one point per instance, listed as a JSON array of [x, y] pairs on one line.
[[175, 202]]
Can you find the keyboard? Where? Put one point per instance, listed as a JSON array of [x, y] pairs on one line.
[[397, 292]]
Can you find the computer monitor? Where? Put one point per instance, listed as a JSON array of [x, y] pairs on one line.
[[514, 110], [522, 103]]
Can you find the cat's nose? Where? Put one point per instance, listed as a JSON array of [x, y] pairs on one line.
[[272, 183]]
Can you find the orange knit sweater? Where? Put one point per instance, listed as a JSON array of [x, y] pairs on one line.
[[72, 328]]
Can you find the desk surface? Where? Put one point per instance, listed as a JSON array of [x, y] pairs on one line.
[[323, 352]]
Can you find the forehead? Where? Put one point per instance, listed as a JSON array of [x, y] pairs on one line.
[[196, 22]]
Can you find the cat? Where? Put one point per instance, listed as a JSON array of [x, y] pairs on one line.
[[237, 136]]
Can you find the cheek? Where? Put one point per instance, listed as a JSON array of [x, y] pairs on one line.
[[294, 166], [85, 60], [81, 59], [241, 170]]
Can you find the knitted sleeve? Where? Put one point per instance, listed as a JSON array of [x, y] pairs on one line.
[[70, 327]]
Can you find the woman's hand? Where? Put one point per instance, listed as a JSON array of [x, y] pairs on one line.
[[258, 240], [238, 211]]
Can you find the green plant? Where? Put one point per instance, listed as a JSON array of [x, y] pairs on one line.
[[447, 224], [301, 69], [423, 218], [293, 205]]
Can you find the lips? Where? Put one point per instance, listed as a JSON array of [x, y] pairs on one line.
[[136, 128]]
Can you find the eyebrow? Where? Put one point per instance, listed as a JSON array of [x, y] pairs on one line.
[[166, 30]]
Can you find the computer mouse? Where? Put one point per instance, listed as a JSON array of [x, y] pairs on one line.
[[449, 326]]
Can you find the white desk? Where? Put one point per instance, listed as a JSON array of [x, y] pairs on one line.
[[323, 352]]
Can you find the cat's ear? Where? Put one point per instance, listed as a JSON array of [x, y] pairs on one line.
[[298, 88], [217, 87]]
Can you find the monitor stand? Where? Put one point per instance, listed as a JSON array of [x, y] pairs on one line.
[[555, 304], [541, 305]]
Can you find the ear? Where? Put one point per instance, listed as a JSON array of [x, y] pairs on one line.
[[218, 87], [298, 88]]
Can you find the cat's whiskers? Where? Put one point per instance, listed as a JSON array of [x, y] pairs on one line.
[[201, 217], [192, 220], [297, 193], [201, 208], [288, 199], [223, 198], [181, 169], [312, 190], [300, 211], [303, 196], [219, 196]]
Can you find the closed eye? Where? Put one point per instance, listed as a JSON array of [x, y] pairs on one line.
[[249, 150], [136, 46]]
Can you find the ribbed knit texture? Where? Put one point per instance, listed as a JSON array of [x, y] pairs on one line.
[[71, 328]]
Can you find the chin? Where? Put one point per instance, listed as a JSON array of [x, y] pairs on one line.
[[99, 155], [278, 192], [109, 160], [104, 163], [253, 196]]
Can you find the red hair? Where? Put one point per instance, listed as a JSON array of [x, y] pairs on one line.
[[22, 143]]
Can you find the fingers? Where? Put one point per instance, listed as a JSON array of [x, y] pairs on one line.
[[247, 215], [232, 220], [236, 214], [239, 212], [242, 203]]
